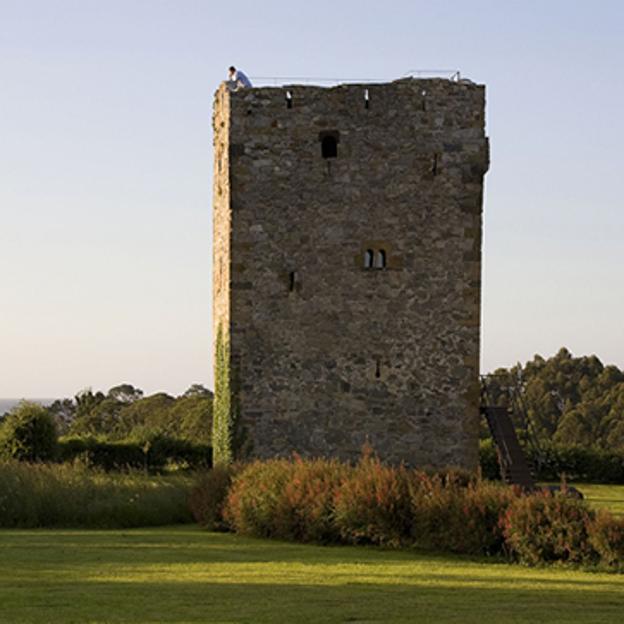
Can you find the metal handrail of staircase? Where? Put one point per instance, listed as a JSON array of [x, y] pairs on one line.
[[485, 402], [505, 456], [517, 407], [501, 445]]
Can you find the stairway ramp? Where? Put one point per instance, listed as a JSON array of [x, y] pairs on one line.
[[515, 469]]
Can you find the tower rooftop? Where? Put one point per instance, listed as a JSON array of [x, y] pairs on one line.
[[451, 75]]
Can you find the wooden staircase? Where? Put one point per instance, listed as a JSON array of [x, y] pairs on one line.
[[513, 464]]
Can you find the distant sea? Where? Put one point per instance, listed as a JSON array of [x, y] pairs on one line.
[[7, 404]]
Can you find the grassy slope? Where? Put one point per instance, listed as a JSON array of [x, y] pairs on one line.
[[181, 574]]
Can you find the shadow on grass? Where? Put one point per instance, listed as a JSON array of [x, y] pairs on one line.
[[270, 602], [184, 575], [187, 544]]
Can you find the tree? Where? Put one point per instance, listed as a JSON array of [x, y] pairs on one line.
[[570, 400], [86, 401], [100, 420], [146, 417], [197, 390], [191, 418], [28, 433], [125, 393], [63, 412], [582, 425]]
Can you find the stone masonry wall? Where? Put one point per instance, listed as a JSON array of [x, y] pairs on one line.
[[329, 354], [221, 216]]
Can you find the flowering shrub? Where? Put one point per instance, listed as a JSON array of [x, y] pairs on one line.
[[453, 516], [544, 528], [306, 505], [372, 504], [286, 499], [606, 535], [208, 496], [252, 502]]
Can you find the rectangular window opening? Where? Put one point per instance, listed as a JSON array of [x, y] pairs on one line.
[[329, 143]]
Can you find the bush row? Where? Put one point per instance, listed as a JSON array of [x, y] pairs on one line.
[[152, 455], [325, 501], [585, 465], [29, 434], [66, 495]]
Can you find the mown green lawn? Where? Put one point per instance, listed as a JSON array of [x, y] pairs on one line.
[[609, 497], [181, 574]]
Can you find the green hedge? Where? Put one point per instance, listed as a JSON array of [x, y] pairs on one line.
[[153, 455], [551, 463], [581, 464]]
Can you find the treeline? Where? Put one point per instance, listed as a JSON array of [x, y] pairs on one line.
[[124, 413], [571, 401], [567, 401], [117, 430]]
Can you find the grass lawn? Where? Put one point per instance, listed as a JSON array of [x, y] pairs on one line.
[[609, 497], [181, 574]]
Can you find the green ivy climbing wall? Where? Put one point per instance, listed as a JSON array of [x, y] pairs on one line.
[[222, 421]]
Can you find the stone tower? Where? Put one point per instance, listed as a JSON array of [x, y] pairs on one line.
[[347, 267]]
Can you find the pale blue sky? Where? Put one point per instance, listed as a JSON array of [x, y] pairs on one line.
[[105, 169]]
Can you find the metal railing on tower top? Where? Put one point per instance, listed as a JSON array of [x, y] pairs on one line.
[[450, 74]]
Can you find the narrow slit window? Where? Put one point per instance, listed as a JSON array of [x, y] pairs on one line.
[[292, 281], [377, 369], [366, 99], [380, 259], [368, 259], [434, 165], [289, 101], [329, 147]]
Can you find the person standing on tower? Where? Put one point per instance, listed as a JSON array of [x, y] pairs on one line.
[[238, 79]]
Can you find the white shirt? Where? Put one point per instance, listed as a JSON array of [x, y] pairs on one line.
[[241, 79]]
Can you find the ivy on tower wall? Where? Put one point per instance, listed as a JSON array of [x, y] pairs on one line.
[[223, 416]]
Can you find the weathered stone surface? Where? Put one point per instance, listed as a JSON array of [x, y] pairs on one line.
[[325, 353]]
